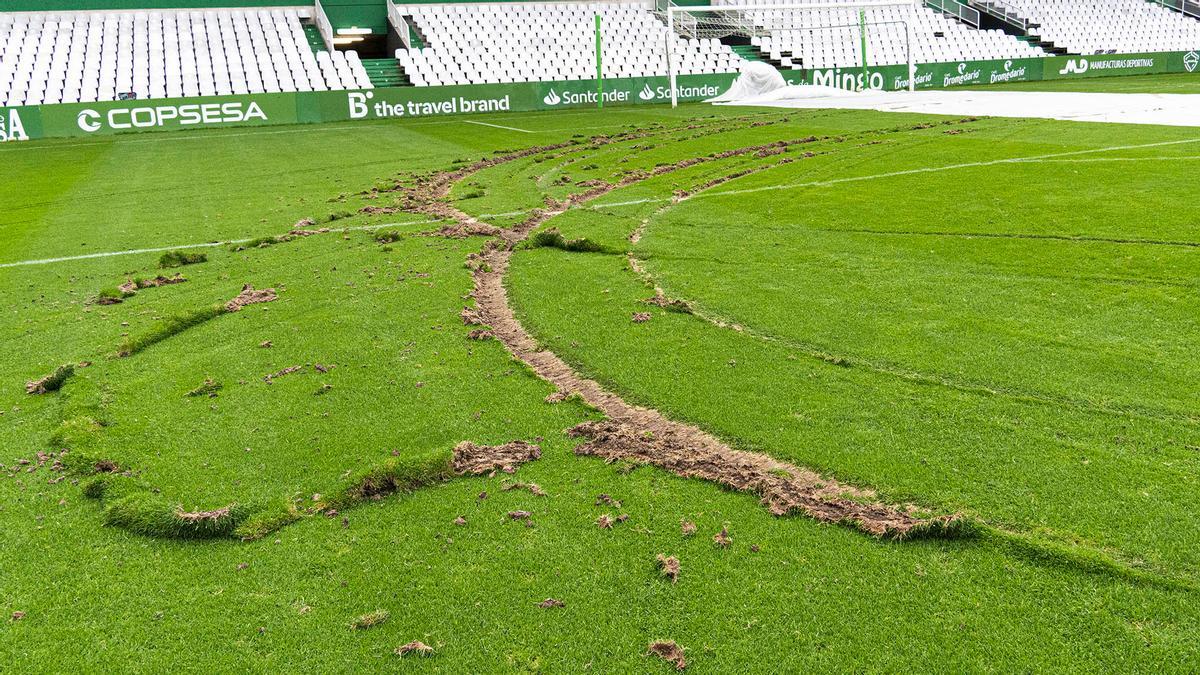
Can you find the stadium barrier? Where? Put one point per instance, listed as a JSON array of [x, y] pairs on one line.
[[968, 73], [113, 117]]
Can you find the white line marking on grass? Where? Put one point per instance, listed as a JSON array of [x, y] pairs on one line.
[[1082, 160], [893, 174], [498, 126], [47, 261], [207, 244], [826, 183]]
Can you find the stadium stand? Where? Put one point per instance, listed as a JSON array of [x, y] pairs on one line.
[[86, 56], [1104, 26], [790, 42], [98, 56], [526, 42]]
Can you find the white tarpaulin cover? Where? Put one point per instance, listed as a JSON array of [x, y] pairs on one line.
[[1164, 109]]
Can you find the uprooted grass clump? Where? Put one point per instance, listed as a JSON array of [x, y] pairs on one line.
[[387, 237], [552, 238], [273, 517], [168, 327], [208, 388], [397, 474], [260, 242], [180, 258], [370, 619], [152, 515], [112, 296], [52, 382]]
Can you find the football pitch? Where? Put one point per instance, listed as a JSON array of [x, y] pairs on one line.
[[810, 391]]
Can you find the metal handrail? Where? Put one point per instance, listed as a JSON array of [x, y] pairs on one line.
[[1185, 7], [968, 15], [1002, 11], [400, 24], [323, 26]]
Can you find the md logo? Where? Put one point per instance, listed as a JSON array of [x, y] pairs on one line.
[[552, 98], [1075, 67], [1190, 61], [962, 68], [1008, 65], [11, 127]]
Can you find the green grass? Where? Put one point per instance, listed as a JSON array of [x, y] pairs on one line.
[[891, 331]]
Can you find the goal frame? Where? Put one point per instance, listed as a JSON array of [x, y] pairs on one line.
[[673, 9]]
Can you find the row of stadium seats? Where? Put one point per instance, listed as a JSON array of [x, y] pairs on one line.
[[795, 40], [527, 42], [60, 57], [1103, 26], [98, 56]]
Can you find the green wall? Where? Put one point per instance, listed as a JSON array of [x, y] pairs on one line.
[[361, 13]]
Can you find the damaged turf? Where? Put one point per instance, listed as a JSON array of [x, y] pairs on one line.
[[52, 382], [249, 296], [472, 459], [668, 566], [668, 651], [645, 436], [415, 647], [783, 488]]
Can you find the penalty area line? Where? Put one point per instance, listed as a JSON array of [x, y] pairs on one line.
[[207, 244], [213, 244], [830, 182], [498, 126]]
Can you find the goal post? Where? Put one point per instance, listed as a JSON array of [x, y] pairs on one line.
[[708, 21]]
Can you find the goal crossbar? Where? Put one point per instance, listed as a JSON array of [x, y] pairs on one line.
[[861, 7]]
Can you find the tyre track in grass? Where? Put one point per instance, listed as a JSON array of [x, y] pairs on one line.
[[663, 298], [644, 435]]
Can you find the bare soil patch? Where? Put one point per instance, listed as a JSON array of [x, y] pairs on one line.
[[249, 296], [472, 459], [415, 647], [641, 435], [668, 566], [670, 652]]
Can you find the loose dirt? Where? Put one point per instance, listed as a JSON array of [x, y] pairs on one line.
[[415, 647], [193, 517], [472, 459], [668, 566], [133, 285], [249, 296], [278, 374], [642, 435], [534, 489], [722, 538], [550, 603], [670, 652]]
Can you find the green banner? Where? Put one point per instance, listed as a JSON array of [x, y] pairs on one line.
[[1064, 67], [927, 75], [115, 117]]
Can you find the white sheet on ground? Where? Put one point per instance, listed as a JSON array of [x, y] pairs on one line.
[[1165, 109], [756, 78]]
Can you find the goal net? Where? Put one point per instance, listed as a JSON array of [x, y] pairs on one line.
[[838, 43]]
